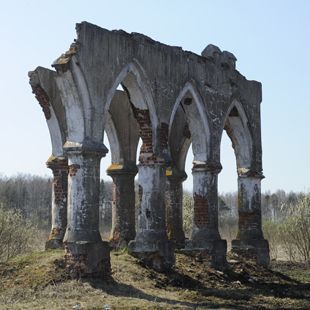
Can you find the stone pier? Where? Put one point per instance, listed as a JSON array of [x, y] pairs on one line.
[[250, 241], [123, 212], [174, 207], [85, 252], [205, 239], [59, 167], [151, 244]]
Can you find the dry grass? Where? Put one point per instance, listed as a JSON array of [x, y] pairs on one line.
[[35, 282]]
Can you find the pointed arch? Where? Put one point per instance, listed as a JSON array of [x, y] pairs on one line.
[[136, 76], [73, 107], [196, 122], [237, 127], [55, 134], [84, 98], [116, 156], [44, 87]]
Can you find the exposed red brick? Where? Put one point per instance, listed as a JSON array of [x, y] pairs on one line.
[[200, 210], [55, 232], [73, 169], [60, 182], [43, 100], [145, 129]]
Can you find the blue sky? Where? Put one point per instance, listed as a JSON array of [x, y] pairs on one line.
[[271, 40]]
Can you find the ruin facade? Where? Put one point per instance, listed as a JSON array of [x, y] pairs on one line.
[[171, 99]]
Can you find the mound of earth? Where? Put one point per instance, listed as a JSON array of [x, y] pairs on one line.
[[38, 281]]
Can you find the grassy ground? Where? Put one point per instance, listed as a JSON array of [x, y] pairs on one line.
[[36, 282]]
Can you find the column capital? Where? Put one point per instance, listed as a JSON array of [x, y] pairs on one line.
[[87, 147], [57, 162], [248, 173], [175, 174], [121, 169], [207, 166], [149, 159]]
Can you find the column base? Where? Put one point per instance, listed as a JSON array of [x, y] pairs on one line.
[[257, 249], [87, 259], [55, 239], [53, 244], [118, 244], [201, 237], [157, 254], [120, 240], [178, 243], [177, 238], [213, 251]]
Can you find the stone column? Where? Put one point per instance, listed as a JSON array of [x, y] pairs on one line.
[[250, 241], [85, 252], [59, 167], [205, 238], [151, 244], [123, 212], [174, 207]]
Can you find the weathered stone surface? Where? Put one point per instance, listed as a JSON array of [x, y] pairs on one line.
[[123, 212], [214, 251], [151, 244], [250, 241], [171, 99], [257, 249], [174, 207], [59, 167], [87, 259]]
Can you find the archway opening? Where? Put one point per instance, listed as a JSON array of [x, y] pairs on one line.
[[188, 144], [129, 133], [188, 201], [234, 163], [228, 192], [106, 192]]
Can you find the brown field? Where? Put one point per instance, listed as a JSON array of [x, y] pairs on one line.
[[36, 282]]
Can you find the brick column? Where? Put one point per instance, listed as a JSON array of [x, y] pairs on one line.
[[151, 244], [174, 207], [205, 238], [250, 241], [123, 212], [59, 167], [85, 253]]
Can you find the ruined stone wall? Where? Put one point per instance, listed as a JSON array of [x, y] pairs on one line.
[[162, 72], [171, 98]]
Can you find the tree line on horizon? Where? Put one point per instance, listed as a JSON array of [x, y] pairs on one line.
[[28, 198]]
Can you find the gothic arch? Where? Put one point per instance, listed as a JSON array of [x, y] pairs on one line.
[[237, 127], [135, 81], [70, 97], [116, 155], [52, 108], [196, 129], [57, 138]]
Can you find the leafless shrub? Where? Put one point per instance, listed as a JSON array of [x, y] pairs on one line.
[[295, 231], [272, 234], [188, 213], [16, 234]]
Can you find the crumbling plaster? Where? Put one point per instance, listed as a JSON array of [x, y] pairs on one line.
[[172, 98]]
